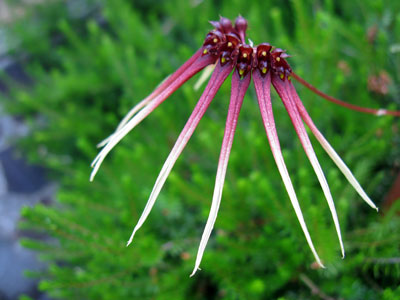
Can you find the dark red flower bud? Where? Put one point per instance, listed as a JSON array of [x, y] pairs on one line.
[[216, 25], [241, 27], [241, 24], [226, 25]]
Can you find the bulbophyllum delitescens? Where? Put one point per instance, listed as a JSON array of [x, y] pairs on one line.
[[226, 50]]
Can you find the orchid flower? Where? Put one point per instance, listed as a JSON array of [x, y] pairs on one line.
[[225, 50]]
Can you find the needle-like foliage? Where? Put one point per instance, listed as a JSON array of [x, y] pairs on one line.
[[226, 47]]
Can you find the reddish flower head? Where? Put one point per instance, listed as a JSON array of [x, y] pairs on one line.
[[226, 48]]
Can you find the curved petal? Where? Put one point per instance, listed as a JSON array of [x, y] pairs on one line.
[[283, 87], [262, 85], [163, 85], [239, 88], [331, 152], [199, 64], [218, 77]]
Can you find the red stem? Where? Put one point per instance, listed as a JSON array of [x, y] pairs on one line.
[[377, 112]]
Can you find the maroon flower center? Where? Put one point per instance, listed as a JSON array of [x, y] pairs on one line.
[[227, 44]]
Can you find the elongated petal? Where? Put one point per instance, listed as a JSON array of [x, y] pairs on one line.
[[218, 77], [162, 86], [372, 111], [262, 85], [126, 119], [199, 64], [331, 152], [239, 88], [285, 93]]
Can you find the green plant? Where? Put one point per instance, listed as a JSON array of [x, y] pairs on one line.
[[95, 74]]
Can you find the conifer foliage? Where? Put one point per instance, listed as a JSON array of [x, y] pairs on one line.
[[88, 70]]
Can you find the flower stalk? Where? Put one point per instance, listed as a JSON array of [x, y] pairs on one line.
[[225, 48]]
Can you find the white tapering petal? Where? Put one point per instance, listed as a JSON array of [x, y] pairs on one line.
[[293, 198], [162, 177], [332, 153], [291, 107], [219, 184], [345, 170], [325, 187], [138, 107], [162, 92], [263, 95], [119, 135], [126, 119], [169, 163], [218, 77], [239, 87]]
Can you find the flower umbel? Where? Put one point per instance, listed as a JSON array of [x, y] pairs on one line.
[[226, 48]]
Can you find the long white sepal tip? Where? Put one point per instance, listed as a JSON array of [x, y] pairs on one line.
[[218, 77], [325, 188], [239, 88], [125, 120], [294, 114], [154, 103], [264, 101], [130, 238], [172, 157], [193, 273], [332, 153], [295, 203], [212, 216], [345, 170], [133, 111], [118, 136]]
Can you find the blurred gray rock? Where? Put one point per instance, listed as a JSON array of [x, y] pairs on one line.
[[21, 184]]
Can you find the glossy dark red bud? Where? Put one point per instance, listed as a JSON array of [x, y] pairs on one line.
[[216, 25], [241, 27], [240, 24], [226, 25]]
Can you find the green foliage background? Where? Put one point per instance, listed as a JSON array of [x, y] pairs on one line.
[[90, 66]]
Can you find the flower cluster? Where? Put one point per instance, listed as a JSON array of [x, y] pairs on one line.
[[226, 50]]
